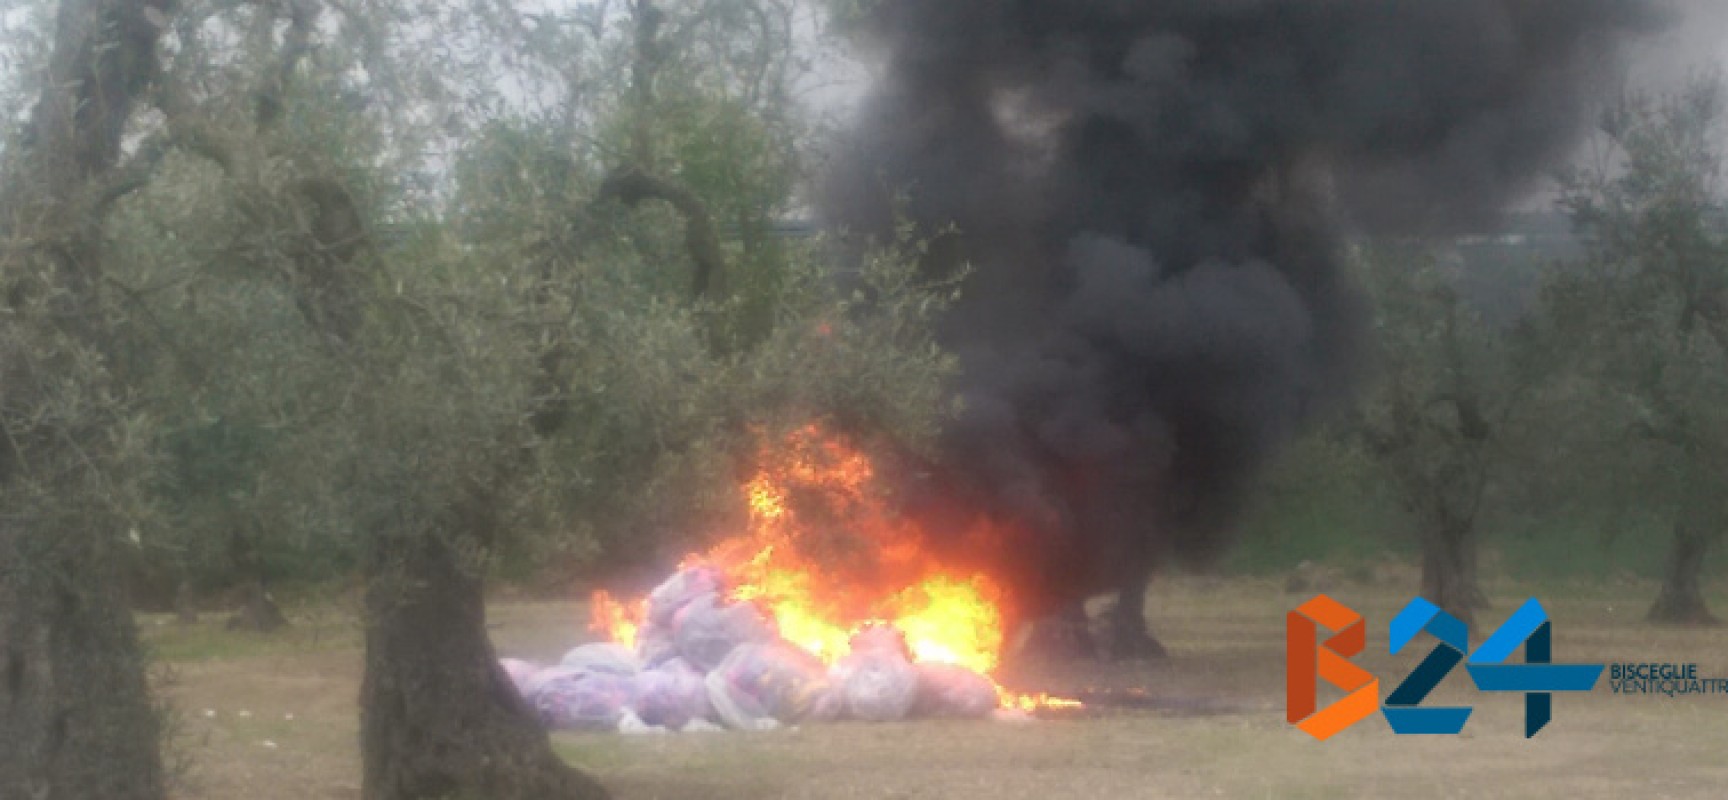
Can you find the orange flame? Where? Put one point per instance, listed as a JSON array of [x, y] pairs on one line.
[[618, 621], [823, 555], [1032, 702]]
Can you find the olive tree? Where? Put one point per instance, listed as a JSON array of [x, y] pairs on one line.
[[1643, 318], [78, 720], [1445, 389]]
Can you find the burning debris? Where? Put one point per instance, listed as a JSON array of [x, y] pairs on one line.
[[824, 554], [1154, 197], [827, 605]]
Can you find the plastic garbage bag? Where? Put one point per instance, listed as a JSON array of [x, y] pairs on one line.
[[655, 645], [683, 587], [631, 725], [760, 686], [706, 630], [950, 690], [572, 698], [700, 726], [671, 695], [540, 679], [606, 657], [519, 671], [827, 705], [878, 685]]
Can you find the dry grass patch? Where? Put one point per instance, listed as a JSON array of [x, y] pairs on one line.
[[1227, 637]]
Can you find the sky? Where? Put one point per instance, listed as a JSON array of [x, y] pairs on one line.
[[1700, 39]]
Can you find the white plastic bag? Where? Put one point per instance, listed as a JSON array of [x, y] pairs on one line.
[[706, 630], [606, 657], [950, 690], [683, 587], [878, 685], [671, 695], [519, 671], [572, 698], [655, 645], [763, 686]]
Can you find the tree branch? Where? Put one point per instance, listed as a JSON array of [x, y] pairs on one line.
[[296, 44], [632, 187]]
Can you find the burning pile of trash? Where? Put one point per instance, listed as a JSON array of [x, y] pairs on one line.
[[702, 662], [825, 607]]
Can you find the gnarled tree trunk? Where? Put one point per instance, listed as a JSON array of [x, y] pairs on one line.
[[1449, 570], [76, 720], [258, 612], [439, 718], [1681, 601]]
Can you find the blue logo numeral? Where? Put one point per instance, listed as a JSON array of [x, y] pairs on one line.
[[1402, 706], [1536, 677]]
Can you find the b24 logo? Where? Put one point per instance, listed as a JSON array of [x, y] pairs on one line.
[[1312, 659]]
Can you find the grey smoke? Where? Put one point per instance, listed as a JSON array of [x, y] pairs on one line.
[[1153, 196]]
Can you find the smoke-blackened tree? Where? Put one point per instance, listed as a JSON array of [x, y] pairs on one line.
[[1643, 317]]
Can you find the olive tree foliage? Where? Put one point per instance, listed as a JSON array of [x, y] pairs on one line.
[[326, 331], [636, 202], [1642, 321], [684, 113], [363, 377], [1446, 386], [586, 161], [257, 131], [75, 440], [657, 411]]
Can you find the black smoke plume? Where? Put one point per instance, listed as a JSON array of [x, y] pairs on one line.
[[1154, 195]]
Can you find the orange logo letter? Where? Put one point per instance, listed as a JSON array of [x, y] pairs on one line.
[[1307, 659]]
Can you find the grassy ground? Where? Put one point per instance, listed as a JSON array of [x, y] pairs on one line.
[[276, 718]]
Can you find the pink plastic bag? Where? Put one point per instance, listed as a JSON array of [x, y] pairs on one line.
[[707, 630], [519, 671], [576, 699], [879, 685], [950, 690], [671, 695], [684, 586], [760, 686]]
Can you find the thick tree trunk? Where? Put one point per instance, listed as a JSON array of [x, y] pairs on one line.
[[1130, 636], [185, 603], [439, 718], [1449, 570], [259, 613], [1063, 636], [76, 719], [75, 715], [1681, 601], [1473, 580]]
